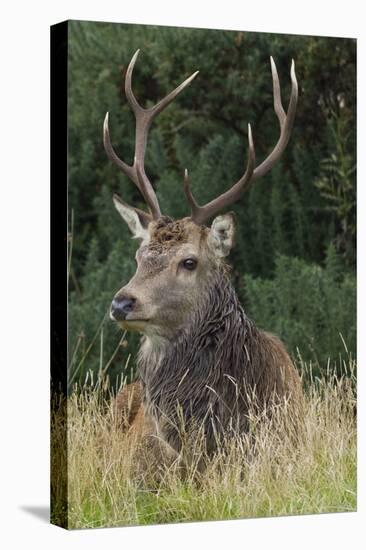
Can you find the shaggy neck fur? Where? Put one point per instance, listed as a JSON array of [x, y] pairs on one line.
[[204, 376]]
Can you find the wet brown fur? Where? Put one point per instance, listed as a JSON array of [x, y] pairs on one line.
[[231, 365], [167, 232]]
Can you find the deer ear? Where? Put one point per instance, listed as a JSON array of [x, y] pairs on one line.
[[136, 219], [221, 235]]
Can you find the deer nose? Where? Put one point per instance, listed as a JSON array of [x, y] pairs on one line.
[[121, 306]]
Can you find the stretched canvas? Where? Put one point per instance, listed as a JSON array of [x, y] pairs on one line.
[[203, 274]]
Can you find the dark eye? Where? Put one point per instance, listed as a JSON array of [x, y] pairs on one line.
[[189, 264]]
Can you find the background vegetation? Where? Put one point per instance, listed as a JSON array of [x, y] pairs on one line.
[[294, 261]]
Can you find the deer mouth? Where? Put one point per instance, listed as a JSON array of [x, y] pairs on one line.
[[133, 324], [135, 320]]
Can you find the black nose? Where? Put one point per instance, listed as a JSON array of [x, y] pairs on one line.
[[121, 306]]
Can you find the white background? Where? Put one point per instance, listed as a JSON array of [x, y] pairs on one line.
[[24, 269]]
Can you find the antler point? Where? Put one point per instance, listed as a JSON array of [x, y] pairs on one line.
[[130, 68], [190, 78], [106, 125], [273, 66], [250, 135], [293, 68]]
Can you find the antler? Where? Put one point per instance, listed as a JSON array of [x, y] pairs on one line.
[[200, 214], [144, 118]]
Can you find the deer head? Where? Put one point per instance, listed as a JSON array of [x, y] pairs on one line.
[[177, 260]]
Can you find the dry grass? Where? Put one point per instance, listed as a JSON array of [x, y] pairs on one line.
[[270, 474]]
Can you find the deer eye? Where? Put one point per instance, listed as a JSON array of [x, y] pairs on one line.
[[190, 264]]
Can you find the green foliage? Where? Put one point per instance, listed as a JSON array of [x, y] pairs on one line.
[[93, 338], [336, 184], [297, 210], [311, 307]]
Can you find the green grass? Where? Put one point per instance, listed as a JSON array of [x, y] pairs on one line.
[[314, 472]]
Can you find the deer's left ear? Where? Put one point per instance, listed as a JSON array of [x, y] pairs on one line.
[[221, 235]]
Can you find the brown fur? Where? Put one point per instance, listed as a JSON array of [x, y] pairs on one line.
[[128, 406], [167, 233], [203, 364], [283, 382]]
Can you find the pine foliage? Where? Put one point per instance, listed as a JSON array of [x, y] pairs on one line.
[[285, 223], [309, 304]]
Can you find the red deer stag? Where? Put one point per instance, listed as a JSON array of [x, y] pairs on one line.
[[200, 355]]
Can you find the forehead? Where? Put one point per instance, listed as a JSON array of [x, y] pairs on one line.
[[169, 237]]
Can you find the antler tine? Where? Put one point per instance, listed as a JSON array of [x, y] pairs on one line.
[[111, 152], [286, 120], [156, 109], [144, 118], [200, 214]]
